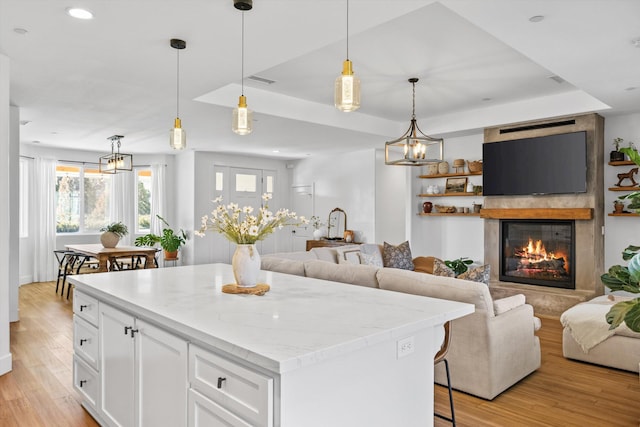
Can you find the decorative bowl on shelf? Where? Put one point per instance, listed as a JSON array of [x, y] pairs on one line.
[[474, 165], [445, 209]]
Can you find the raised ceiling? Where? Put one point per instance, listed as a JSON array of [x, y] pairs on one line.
[[480, 63]]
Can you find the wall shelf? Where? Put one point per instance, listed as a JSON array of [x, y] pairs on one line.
[[449, 214], [465, 194], [622, 163], [624, 214], [624, 188], [450, 175]]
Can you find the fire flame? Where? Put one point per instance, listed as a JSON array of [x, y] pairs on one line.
[[537, 252]]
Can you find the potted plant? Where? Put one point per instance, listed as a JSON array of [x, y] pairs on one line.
[[170, 241], [618, 206], [112, 234], [616, 155], [621, 278], [317, 227]]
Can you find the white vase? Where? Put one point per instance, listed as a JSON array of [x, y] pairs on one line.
[[317, 234], [246, 265], [109, 239]]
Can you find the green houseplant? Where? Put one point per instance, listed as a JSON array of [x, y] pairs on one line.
[[459, 265], [112, 234], [625, 278], [170, 241]]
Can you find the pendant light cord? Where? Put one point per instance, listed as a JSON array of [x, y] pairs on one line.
[[242, 59], [178, 83], [347, 29], [413, 115]]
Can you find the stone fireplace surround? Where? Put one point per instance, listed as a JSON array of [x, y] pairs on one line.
[[586, 208]]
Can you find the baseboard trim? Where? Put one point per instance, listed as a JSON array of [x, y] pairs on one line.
[[6, 364]]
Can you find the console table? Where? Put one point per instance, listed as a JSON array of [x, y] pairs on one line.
[[326, 243], [168, 347]]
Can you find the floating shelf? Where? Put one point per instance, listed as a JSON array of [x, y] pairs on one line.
[[451, 195], [624, 214], [622, 163], [448, 214], [624, 188], [450, 175]]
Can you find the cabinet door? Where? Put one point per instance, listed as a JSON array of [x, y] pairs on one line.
[[162, 377], [117, 369], [206, 413]]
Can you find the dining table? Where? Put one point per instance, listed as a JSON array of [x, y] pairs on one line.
[[107, 256]]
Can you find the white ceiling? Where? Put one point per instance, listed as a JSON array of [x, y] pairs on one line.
[[480, 63]]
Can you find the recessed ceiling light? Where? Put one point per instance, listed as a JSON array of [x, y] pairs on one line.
[[276, 151], [536, 18], [79, 13], [486, 99], [36, 142], [20, 31]]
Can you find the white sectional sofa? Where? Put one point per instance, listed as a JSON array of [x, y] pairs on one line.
[[491, 349]]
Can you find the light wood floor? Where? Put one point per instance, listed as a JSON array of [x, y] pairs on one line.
[[39, 391]]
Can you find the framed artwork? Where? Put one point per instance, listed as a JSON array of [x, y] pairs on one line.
[[456, 185]]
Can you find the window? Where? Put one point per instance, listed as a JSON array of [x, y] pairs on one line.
[[82, 199], [246, 183], [143, 196]]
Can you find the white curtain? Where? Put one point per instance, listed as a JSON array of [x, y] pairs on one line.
[[42, 217], [158, 199], [122, 206]]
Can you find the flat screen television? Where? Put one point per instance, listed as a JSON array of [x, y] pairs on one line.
[[553, 164]]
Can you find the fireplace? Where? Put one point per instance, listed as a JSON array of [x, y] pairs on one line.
[[538, 252]]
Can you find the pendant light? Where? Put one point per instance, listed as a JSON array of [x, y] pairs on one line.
[[177, 135], [411, 148], [242, 116], [116, 161], [347, 87]]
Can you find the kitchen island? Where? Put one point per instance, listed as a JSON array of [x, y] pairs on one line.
[[167, 347]]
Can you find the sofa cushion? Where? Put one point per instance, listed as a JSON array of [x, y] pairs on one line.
[[437, 287], [282, 265], [509, 303], [477, 274], [348, 254], [362, 275], [397, 256], [326, 254]]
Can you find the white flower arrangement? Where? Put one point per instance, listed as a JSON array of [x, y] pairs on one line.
[[241, 226], [316, 222]]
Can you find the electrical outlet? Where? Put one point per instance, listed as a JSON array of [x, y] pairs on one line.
[[405, 347]]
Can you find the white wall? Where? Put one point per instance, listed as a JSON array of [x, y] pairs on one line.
[[210, 248], [448, 237], [345, 181], [5, 220], [391, 210], [620, 232]]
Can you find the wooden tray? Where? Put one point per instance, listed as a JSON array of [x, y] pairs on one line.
[[259, 289]]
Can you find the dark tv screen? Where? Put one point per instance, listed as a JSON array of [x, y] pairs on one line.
[[554, 164]]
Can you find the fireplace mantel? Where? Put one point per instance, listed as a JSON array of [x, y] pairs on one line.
[[538, 213]]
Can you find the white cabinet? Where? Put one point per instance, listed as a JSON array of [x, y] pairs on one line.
[[143, 372], [225, 391], [86, 379]]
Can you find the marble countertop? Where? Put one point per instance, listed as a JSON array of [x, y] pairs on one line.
[[300, 321]]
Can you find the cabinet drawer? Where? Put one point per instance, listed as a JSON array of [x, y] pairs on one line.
[[85, 341], [86, 307], [242, 391], [85, 380], [205, 413]]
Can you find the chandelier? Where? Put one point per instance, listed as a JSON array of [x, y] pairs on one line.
[[116, 161], [414, 148]]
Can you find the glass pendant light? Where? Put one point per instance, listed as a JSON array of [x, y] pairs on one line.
[[242, 116], [177, 135], [347, 87]]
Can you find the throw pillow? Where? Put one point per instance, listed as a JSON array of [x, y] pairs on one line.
[[424, 264], [477, 274], [441, 269], [370, 259], [347, 255], [397, 256]]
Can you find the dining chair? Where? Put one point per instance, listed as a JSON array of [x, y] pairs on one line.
[[65, 265], [441, 357]]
